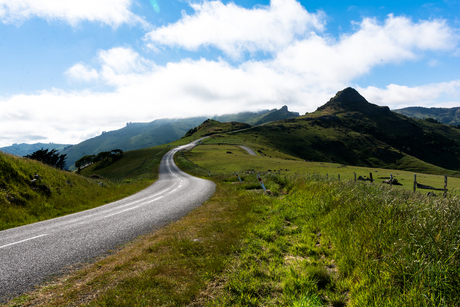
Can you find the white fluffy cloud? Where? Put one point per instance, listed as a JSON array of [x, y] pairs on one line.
[[110, 12], [334, 62], [307, 67], [81, 72], [400, 96], [235, 30]]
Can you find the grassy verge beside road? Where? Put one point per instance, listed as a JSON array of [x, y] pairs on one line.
[[31, 191], [330, 243]]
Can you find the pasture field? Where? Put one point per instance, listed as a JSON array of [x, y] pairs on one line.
[[230, 159]]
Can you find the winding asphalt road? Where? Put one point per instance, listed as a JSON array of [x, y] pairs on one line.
[[249, 150], [30, 254]]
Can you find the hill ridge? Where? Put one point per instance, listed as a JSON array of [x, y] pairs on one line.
[[350, 100]]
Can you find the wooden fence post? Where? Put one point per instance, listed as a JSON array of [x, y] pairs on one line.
[[339, 177], [445, 185], [415, 182], [355, 175], [370, 175], [391, 180]]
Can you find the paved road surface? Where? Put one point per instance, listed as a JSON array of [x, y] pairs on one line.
[[30, 254], [249, 150]]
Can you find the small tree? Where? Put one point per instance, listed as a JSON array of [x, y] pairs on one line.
[[50, 157], [84, 160]]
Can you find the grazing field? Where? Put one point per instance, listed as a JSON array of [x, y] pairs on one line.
[[230, 159]]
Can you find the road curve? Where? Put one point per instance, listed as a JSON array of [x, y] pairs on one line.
[[249, 150], [30, 254]]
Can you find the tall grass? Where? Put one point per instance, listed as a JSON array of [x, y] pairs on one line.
[[347, 243], [395, 248]]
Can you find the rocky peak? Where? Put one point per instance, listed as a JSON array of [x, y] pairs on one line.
[[349, 100], [349, 95]]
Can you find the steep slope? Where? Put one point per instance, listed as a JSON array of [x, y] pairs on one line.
[[448, 116], [274, 115], [31, 191], [210, 127], [133, 136], [350, 130]]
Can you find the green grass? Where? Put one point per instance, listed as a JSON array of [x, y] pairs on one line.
[[169, 267], [228, 159], [312, 241], [325, 243], [58, 193], [134, 165]]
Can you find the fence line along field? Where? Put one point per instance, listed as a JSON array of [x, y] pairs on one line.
[[269, 161]]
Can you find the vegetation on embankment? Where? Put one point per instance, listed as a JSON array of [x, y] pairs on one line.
[[312, 242], [135, 165], [31, 191]]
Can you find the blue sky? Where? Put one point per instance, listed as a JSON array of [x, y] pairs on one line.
[[72, 69]]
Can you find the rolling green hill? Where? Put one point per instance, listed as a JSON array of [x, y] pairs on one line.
[[448, 116], [210, 127], [350, 130], [161, 131], [133, 136]]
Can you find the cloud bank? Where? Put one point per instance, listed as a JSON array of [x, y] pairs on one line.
[[109, 12], [236, 30]]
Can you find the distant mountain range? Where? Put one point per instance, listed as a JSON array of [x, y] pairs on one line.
[[448, 116], [26, 149], [142, 135]]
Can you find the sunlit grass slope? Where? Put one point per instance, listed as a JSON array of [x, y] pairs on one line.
[[55, 193], [324, 242], [230, 159], [135, 165]]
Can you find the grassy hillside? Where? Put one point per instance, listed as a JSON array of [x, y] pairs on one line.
[[349, 130], [273, 115], [448, 116], [133, 136], [31, 191], [135, 165], [231, 159], [211, 127], [161, 131]]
